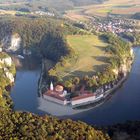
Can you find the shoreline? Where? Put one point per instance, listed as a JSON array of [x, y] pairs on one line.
[[98, 101], [108, 92], [97, 97], [105, 95], [40, 79]]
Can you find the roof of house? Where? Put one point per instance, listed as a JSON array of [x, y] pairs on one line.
[[83, 96], [50, 93]]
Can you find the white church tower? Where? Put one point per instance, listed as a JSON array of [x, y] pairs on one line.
[[51, 86]]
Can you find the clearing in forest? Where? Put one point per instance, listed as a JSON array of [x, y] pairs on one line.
[[91, 56]]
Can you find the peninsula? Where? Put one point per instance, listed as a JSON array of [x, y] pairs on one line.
[[107, 60]]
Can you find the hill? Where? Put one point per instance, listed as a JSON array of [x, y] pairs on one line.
[[90, 51], [59, 5]]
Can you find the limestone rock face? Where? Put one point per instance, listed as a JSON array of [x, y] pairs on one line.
[[6, 65], [131, 52], [10, 76], [11, 42], [15, 42], [7, 61]]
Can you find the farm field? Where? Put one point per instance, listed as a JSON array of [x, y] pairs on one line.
[[91, 56], [7, 12], [121, 7], [11, 2]]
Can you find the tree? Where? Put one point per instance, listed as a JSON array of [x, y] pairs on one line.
[[68, 84], [76, 80]]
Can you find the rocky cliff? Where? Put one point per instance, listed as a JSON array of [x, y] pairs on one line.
[[11, 42], [7, 71]]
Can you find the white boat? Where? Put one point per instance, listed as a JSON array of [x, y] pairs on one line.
[[20, 56]]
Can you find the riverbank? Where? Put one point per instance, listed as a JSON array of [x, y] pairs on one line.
[[46, 65], [63, 111], [120, 106], [95, 98], [104, 97]]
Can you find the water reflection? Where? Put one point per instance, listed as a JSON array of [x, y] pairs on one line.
[[29, 63]]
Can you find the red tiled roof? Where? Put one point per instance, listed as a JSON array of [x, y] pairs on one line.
[[49, 93], [82, 97]]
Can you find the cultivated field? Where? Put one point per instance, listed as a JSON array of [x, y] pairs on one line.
[[91, 56], [122, 7], [7, 12]]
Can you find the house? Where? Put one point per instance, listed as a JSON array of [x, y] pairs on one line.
[[85, 98], [54, 97], [56, 94]]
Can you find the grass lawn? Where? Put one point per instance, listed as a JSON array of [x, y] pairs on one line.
[[91, 56]]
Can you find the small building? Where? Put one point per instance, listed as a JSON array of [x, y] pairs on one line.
[[54, 97], [85, 98], [56, 94]]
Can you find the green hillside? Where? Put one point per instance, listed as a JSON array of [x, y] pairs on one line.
[[90, 51]]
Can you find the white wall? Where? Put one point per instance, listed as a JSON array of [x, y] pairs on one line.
[[54, 100], [80, 101]]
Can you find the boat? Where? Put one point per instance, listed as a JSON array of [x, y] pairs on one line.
[[20, 56]]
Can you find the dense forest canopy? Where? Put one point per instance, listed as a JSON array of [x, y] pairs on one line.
[[33, 31], [21, 125]]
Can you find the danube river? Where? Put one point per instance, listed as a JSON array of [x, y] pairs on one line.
[[122, 106]]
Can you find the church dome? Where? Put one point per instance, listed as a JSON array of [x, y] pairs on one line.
[[59, 88]]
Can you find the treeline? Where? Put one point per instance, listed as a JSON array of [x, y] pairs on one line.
[[53, 46], [133, 38], [56, 49], [35, 30], [31, 31], [23, 125], [120, 56]]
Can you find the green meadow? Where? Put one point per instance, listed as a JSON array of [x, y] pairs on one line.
[[91, 56]]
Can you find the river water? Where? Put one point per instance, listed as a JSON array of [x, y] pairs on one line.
[[122, 106]]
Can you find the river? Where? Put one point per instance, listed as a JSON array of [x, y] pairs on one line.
[[122, 106]]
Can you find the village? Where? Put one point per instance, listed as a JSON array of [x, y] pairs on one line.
[[114, 25]]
